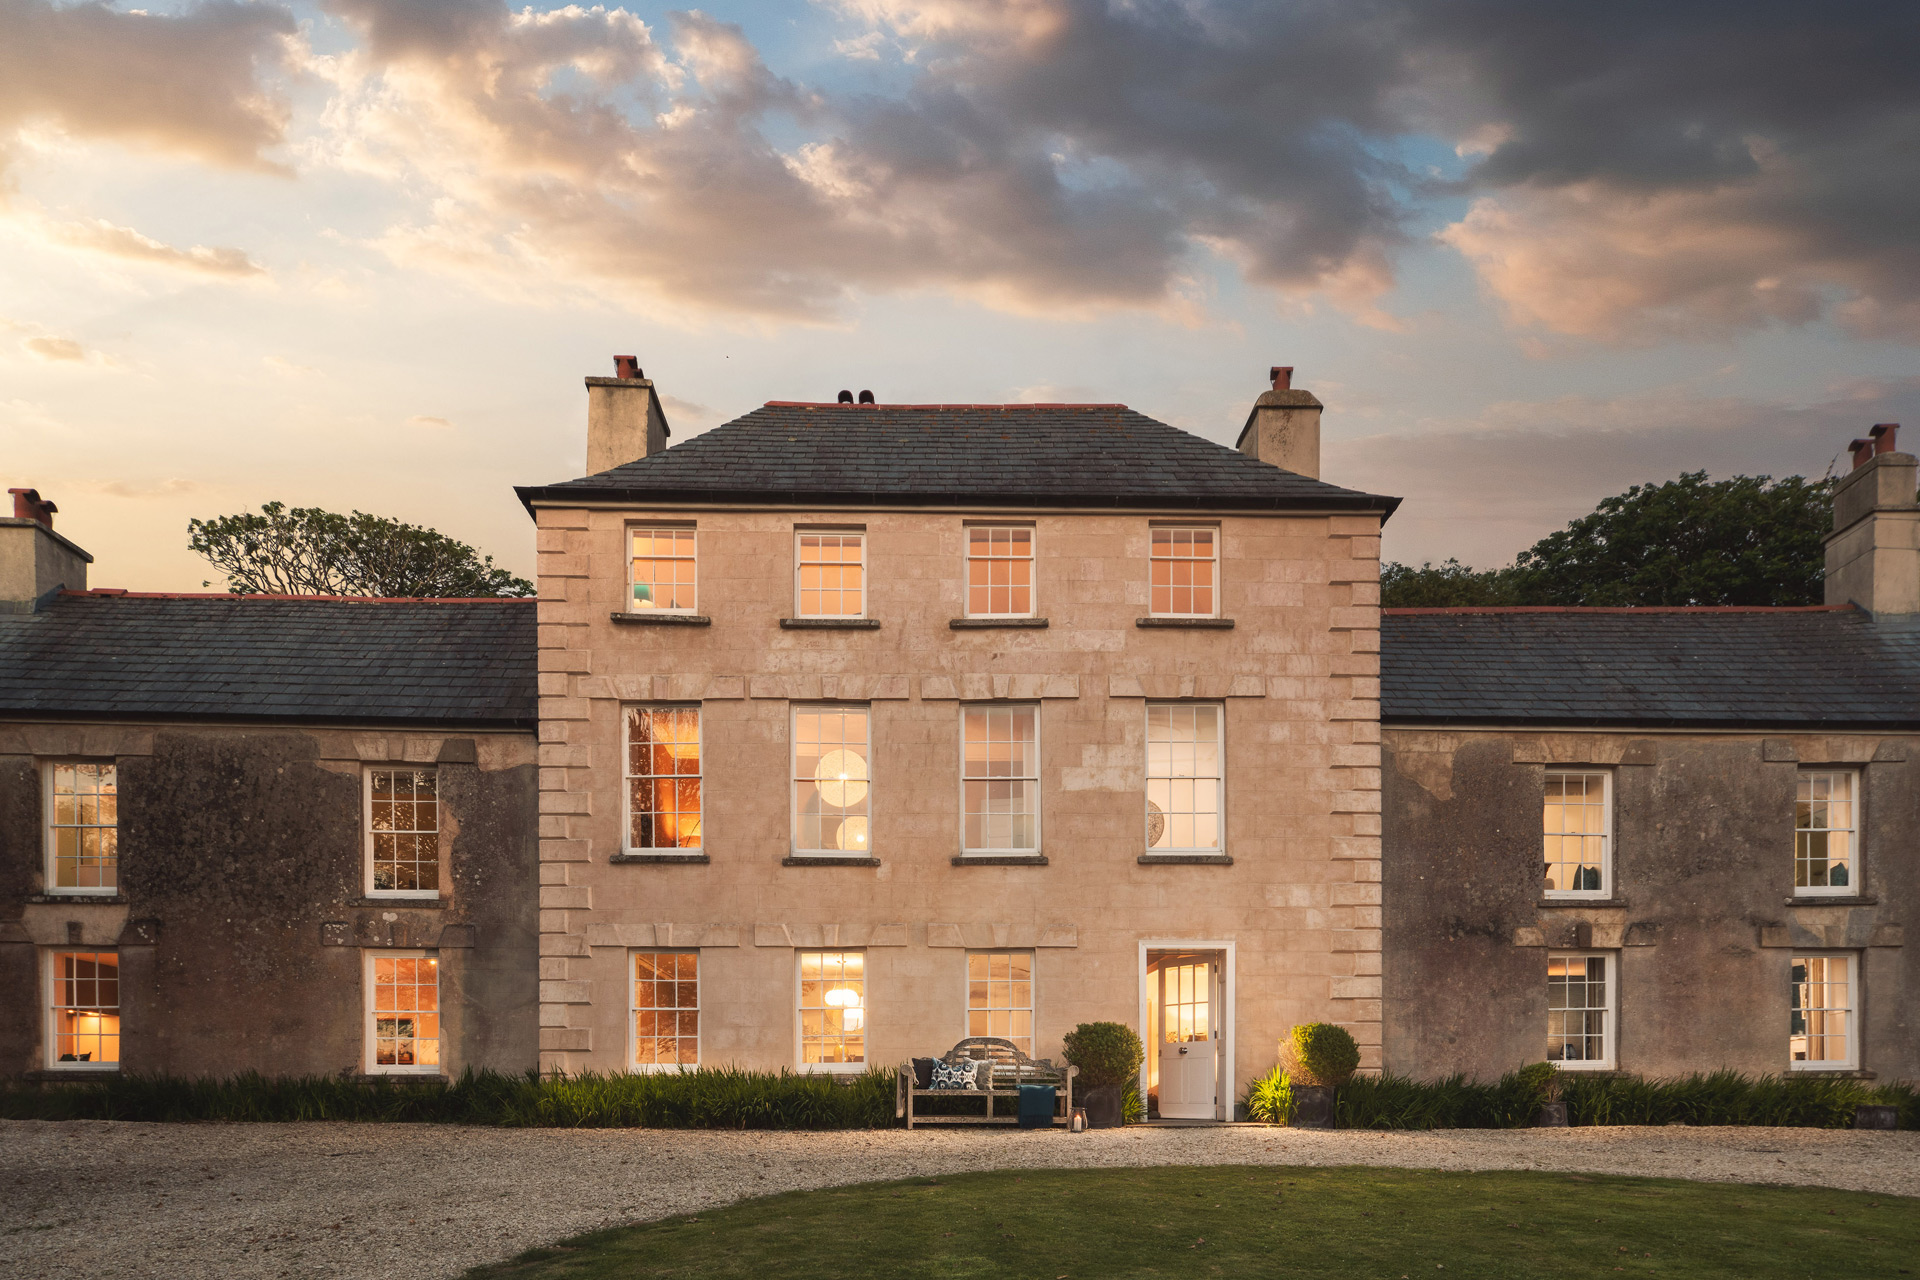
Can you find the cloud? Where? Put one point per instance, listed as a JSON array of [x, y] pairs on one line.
[[125, 489], [56, 349], [188, 82], [429, 423], [1483, 488], [104, 237]]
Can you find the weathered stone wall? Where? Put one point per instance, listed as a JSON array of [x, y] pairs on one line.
[[1298, 674], [240, 918], [1701, 915]]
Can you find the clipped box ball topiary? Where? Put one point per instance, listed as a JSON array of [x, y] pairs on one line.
[[1108, 1053], [1320, 1053]]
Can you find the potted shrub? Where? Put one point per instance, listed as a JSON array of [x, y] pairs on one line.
[[1318, 1057], [1109, 1055], [1552, 1112]]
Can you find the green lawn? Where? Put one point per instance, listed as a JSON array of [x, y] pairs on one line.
[[1380, 1224]]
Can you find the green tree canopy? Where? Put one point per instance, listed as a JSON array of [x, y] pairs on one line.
[[1750, 540], [308, 551]]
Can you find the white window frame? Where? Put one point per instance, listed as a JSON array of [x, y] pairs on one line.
[[1606, 835], [985, 851], [1610, 1027], [50, 1008], [1219, 847], [367, 833], [794, 712], [866, 1005], [631, 530], [1033, 568], [1856, 780], [370, 1016], [634, 1007], [1852, 961], [627, 779], [1032, 1006], [50, 865], [861, 534], [1215, 561]]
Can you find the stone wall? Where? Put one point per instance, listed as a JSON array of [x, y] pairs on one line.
[[1702, 916], [1298, 675], [240, 918]]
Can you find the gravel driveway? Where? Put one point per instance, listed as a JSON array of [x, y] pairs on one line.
[[426, 1201]]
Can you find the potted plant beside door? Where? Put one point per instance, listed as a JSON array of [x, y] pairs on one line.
[[1318, 1058], [1108, 1054]]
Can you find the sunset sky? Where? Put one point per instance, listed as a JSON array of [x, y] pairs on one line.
[[360, 254]]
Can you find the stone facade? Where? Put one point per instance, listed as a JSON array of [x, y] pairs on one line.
[[1297, 898], [240, 917], [1702, 922]]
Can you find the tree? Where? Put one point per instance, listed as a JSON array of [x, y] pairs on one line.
[[1750, 540], [308, 551]]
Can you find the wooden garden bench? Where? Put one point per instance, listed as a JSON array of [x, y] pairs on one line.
[[1011, 1069]]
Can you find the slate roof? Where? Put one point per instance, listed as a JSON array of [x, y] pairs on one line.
[[1008, 455], [272, 658], [1697, 668]]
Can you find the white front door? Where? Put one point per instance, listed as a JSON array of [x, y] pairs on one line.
[[1189, 1046]]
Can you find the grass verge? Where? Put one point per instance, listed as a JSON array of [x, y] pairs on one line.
[[1331, 1224]]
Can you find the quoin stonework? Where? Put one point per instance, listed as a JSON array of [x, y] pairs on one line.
[[845, 730]]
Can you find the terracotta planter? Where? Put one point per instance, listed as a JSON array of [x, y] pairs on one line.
[[1103, 1107], [1551, 1115], [1312, 1107]]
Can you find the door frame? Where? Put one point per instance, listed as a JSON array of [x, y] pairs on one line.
[[1224, 1071]]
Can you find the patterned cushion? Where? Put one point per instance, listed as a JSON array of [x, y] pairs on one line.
[[958, 1075]]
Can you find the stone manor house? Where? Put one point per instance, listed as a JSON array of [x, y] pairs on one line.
[[845, 730]]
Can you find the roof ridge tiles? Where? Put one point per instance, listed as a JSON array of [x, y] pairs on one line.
[[860, 408]]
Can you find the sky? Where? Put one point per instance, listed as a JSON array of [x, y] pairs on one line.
[[360, 254]]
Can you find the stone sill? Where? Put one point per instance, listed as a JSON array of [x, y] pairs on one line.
[[1835, 900], [830, 624], [50, 1075], [1000, 860], [400, 904], [1840, 1073], [994, 624], [1197, 859], [1548, 904], [829, 860], [663, 619], [78, 899], [659, 859], [384, 1077], [1200, 624]]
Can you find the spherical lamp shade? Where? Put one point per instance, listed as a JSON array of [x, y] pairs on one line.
[[842, 778]]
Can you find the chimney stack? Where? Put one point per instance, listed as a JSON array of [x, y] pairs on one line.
[[624, 418], [1284, 427], [35, 561], [1873, 553]]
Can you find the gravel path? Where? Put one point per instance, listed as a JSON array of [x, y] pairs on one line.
[[427, 1201]]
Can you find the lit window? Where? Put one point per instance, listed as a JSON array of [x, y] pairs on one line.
[[663, 778], [1820, 1032], [1825, 833], [1577, 824], [666, 1008], [833, 1008], [82, 828], [1182, 564], [832, 789], [1183, 777], [403, 832], [403, 1012], [85, 1009], [999, 572], [1000, 779], [1000, 996], [663, 569], [830, 571], [1579, 1011]]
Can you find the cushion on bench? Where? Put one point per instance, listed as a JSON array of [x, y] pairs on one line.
[[957, 1075]]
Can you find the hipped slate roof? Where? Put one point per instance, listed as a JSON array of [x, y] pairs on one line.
[[267, 658], [1012, 455], [1682, 668]]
